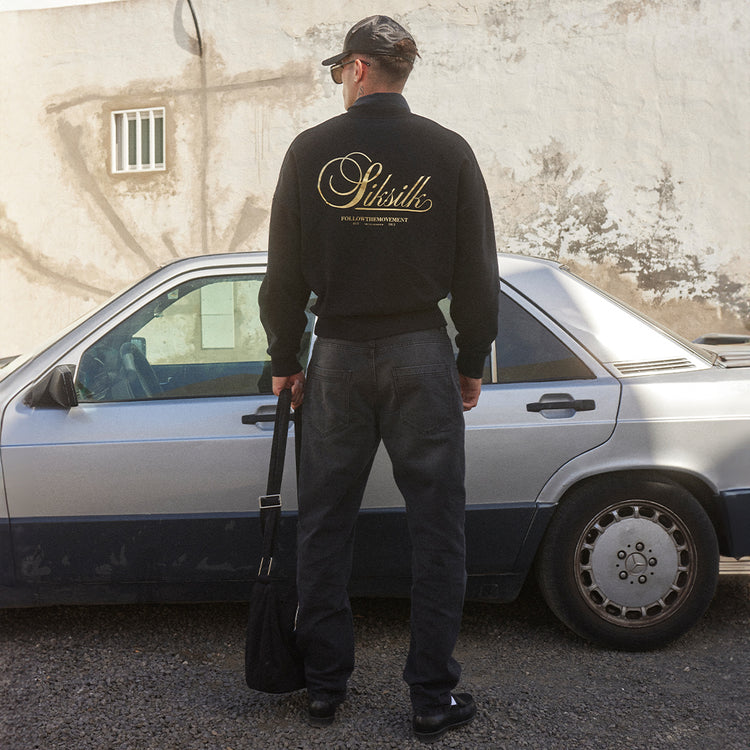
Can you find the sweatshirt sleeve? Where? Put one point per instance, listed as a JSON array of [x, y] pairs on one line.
[[284, 292], [476, 282]]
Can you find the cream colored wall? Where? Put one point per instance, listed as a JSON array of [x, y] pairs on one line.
[[612, 134]]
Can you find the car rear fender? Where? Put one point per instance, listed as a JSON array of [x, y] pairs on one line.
[[729, 512]]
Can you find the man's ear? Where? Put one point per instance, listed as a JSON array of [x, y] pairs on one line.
[[359, 70]]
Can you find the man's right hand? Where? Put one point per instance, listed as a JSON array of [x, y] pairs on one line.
[[294, 382]]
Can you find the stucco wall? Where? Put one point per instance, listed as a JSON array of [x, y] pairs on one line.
[[613, 134]]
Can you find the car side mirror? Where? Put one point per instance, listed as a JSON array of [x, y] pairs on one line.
[[56, 389]]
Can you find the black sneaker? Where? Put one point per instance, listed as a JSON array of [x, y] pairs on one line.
[[433, 726]]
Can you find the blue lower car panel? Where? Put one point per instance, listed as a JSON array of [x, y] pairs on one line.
[[7, 574], [735, 511], [215, 557]]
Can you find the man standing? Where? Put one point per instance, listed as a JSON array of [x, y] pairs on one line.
[[381, 214]]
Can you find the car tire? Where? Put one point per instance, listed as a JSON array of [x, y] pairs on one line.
[[629, 564]]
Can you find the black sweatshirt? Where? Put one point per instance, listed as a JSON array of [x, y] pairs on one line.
[[381, 213]]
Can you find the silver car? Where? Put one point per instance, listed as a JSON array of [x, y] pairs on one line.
[[607, 454]]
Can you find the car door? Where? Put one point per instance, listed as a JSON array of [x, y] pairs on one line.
[[544, 401], [152, 477]]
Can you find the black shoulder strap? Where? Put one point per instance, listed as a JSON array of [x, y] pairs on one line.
[[270, 503]]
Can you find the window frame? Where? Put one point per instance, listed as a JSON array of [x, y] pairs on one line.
[[121, 140]]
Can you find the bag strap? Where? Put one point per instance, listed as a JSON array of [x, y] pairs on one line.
[[270, 503]]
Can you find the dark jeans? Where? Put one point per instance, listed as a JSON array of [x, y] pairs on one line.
[[404, 390]]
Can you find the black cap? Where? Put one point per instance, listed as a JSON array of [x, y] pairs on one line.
[[374, 35]]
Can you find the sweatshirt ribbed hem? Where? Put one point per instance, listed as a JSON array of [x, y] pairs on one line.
[[368, 328]]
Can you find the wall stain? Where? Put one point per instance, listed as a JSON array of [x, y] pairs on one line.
[[35, 267], [70, 137], [169, 244], [548, 216], [251, 216], [623, 11], [254, 82], [256, 85]]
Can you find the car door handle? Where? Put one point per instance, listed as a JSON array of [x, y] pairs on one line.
[[585, 404], [263, 415]]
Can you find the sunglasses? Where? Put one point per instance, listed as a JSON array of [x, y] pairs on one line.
[[337, 71]]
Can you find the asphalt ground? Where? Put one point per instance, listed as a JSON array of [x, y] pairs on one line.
[[170, 677]]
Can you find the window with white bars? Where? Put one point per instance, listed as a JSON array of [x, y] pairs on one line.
[[138, 140]]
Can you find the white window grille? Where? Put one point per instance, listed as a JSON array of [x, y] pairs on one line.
[[138, 140]]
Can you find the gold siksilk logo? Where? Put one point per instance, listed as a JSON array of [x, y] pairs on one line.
[[354, 182]]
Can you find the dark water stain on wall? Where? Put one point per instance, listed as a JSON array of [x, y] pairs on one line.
[[71, 138], [38, 268], [552, 218]]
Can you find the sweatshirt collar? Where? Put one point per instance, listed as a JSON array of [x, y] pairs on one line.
[[382, 103]]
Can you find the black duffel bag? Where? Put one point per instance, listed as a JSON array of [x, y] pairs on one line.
[[273, 663]]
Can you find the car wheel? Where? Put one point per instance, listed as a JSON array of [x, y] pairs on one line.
[[629, 564]]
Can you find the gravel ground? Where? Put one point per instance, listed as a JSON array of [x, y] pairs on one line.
[[171, 678]]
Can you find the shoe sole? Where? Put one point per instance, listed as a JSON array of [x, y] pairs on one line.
[[320, 721]]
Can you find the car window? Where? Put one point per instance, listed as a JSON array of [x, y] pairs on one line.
[[202, 338], [526, 351]]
